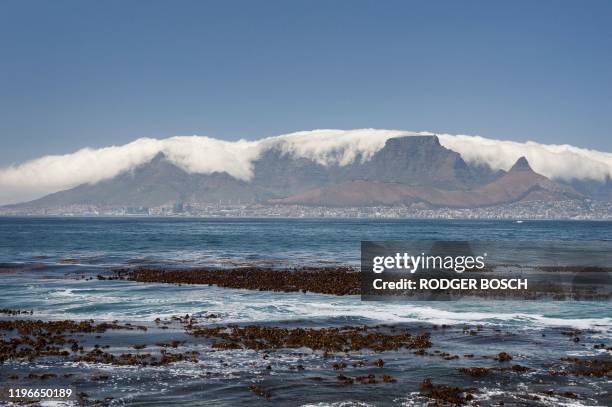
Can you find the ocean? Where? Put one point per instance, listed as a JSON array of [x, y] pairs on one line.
[[49, 265]]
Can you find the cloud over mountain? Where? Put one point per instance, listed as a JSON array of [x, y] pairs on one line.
[[199, 154], [562, 162]]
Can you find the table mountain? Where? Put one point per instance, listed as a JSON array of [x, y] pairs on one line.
[[407, 170]]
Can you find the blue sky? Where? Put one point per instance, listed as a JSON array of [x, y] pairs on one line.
[[84, 73]]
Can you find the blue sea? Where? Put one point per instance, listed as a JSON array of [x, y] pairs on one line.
[[46, 265]]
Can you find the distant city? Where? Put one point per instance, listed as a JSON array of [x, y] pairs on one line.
[[569, 209]]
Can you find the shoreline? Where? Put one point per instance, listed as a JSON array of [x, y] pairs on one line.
[[366, 359], [305, 218]]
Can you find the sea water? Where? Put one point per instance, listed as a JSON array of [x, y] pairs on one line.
[[42, 260]]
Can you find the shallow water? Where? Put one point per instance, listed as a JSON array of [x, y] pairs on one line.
[[43, 260]]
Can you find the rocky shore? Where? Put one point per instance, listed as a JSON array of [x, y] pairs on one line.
[[346, 355]]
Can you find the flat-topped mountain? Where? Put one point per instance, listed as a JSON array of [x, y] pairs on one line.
[[413, 170], [414, 160]]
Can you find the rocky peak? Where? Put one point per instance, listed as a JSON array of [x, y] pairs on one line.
[[521, 165]]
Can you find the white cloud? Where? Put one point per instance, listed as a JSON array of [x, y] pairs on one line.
[[339, 147], [200, 154], [562, 162]]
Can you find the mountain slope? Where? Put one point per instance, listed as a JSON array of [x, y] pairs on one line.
[[156, 183], [521, 183]]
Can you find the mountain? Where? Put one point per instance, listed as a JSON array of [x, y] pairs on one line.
[[599, 190], [519, 184], [415, 160], [156, 183], [418, 160], [414, 170]]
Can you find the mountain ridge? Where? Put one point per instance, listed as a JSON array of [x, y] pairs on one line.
[[327, 153], [411, 170], [521, 183]]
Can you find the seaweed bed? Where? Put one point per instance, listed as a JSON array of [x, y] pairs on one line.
[[324, 280], [343, 280], [27, 340], [344, 339]]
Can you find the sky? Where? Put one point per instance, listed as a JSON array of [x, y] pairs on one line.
[[77, 74]]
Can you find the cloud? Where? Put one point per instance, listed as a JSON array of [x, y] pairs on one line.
[[199, 154], [339, 147], [54, 173], [560, 162]]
